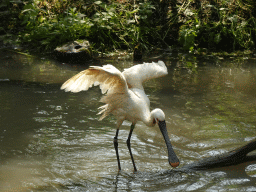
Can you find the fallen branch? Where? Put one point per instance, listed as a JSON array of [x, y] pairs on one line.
[[233, 157]]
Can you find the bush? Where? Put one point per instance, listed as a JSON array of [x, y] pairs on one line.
[[106, 25], [111, 24], [222, 26]]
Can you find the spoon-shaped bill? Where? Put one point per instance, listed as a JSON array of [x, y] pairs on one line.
[[173, 159]]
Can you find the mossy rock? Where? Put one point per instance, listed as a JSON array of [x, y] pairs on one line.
[[74, 52]]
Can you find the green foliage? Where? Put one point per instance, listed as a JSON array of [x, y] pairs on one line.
[[106, 25], [44, 30], [110, 24], [187, 37], [226, 25]]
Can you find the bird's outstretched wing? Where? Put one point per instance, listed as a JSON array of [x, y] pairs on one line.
[[137, 74], [109, 78]]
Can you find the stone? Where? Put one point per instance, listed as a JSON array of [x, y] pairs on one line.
[[74, 52]]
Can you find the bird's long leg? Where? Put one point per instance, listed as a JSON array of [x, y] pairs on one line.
[[116, 148], [129, 146]]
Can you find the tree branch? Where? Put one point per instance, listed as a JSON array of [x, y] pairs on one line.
[[233, 157]]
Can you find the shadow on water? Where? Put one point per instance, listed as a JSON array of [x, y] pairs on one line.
[[52, 141]]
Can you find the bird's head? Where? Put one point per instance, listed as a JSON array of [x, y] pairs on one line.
[[159, 118], [158, 115]]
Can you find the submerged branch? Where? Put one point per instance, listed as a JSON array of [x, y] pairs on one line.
[[233, 157], [16, 51]]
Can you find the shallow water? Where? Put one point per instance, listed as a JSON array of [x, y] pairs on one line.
[[51, 140]]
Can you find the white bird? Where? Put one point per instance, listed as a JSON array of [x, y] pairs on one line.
[[125, 98]]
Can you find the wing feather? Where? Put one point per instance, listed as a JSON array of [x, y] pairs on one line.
[[137, 74], [109, 78]]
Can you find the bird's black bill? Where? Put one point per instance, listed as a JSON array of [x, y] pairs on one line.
[[173, 159]]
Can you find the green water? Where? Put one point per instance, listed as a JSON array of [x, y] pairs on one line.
[[51, 140]]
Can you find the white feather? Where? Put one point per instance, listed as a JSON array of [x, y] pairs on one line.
[[137, 74], [108, 77], [125, 95]]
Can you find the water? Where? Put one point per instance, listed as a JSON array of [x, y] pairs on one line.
[[52, 141]]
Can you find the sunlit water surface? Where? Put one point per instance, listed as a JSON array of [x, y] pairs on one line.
[[51, 140]]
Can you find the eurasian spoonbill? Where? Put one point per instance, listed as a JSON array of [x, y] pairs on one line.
[[125, 98]]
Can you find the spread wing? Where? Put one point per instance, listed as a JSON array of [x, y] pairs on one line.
[[137, 74], [109, 78]]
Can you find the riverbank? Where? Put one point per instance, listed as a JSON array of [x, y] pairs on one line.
[[136, 27]]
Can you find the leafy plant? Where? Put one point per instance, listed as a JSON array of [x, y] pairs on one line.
[[187, 38], [109, 26]]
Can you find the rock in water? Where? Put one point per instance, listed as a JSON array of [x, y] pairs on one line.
[[74, 52]]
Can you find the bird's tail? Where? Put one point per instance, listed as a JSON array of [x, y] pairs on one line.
[[104, 110], [113, 102]]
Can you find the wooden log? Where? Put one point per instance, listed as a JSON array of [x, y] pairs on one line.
[[233, 157]]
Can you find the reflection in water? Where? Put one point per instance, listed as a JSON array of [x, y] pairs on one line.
[[52, 141]]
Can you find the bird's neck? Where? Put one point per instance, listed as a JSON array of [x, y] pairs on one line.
[[149, 120], [147, 116]]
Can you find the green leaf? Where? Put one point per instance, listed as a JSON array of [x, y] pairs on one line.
[[41, 19], [130, 21], [28, 10], [97, 2], [217, 38]]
